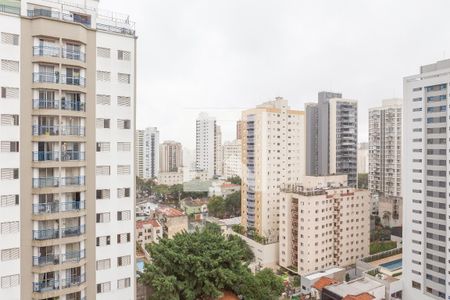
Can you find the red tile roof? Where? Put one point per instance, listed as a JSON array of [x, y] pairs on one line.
[[323, 282], [140, 224], [363, 296], [170, 212]]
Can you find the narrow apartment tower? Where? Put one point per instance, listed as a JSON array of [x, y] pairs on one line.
[[139, 146], [425, 181], [151, 152], [170, 156], [67, 78], [273, 153], [208, 146]]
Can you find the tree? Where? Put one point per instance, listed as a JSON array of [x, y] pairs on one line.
[[235, 180], [201, 264], [233, 204], [363, 180], [216, 207]]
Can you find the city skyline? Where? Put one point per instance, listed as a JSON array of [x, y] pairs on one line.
[[193, 59]]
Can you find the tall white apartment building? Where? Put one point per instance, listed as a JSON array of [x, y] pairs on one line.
[[323, 223], [67, 79], [425, 181], [273, 154], [363, 158], [139, 146], [232, 156], [385, 133], [151, 152], [208, 146]]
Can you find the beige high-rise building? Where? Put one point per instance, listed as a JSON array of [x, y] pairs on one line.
[[67, 78], [273, 154], [323, 223], [232, 162], [170, 156]]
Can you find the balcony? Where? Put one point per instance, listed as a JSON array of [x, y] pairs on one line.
[[74, 256], [64, 15], [73, 130], [72, 231], [45, 104], [74, 55], [49, 51], [56, 259], [45, 234], [73, 281], [44, 182], [72, 181], [42, 77], [52, 259], [71, 155], [46, 286], [49, 130], [45, 156], [55, 207], [73, 105], [73, 80]]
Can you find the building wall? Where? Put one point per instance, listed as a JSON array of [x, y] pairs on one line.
[[139, 153], [170, 156], [151, 152], [232, 165], [170, 178], [206, 144], [363, 158], [312, 139]]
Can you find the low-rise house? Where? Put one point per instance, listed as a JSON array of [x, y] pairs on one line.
[[170, 178], [225, 225], [198, 208], [359, 289], [317, 279], [172, 220], [222, 188], [148, 231]]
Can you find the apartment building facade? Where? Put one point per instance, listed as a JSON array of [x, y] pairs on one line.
[[273, 153], [139, 142], [323, 223], [170, 156], [151, 152], [208, 144], [232, 162], [67, 101], [425, 183]]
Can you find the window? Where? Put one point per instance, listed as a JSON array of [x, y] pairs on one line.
[[10, 254], [123, 101], [123, 55], [123, 283], [102, 123], [9, 227], [123, 192], [9, 93], [123, 146], [103, 146], [9, 120], [10, 65], [103, 240], [103, 264], [9, 146], [103, 287], [103, 217], [123, 215], [103, 52], [103, 76], [103, 170], [123, 169], [123, 78], [103, 194], [123, 238], [104, 99], [10, 38], [124, 260], [9, 174], [123, 124], [9, 200], [10, 281]]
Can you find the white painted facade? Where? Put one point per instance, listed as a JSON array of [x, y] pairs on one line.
[[232, 159], [208, 144], [151, 152]]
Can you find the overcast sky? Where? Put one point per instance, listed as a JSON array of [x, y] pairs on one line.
[[224, 56]]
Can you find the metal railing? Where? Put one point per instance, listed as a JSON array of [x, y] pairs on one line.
[[46, 285], [45, 234], [55, 207], [72, 130], [75, 55], [56, 259], [41, 50], [45, 104], [72, 205], [52, 259], [45, 156], [74, 256], [43, 182], [72, 155], [39, 12], [44, 77], [73, 105], [73, 180], [73, 80], [73, 281], [4, 8], [72, 231], [45, 130]]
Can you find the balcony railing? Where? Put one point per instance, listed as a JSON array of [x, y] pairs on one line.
[[37, 12], [72, 231], [43, 77], [72, 130], [51, 51], [75, 55], [45, 130], [45, 234], [45, 156], [55, 207], [45, 104], [72, 281], [44, 182], [72, 155], [46, 286], [73, 180], [56, 259], [73, 105]]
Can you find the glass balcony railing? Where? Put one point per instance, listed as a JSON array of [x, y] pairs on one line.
[[10, 9], [73, 256], [72, 130], [45, 104], [43, 77], [56, 259], [55, 207], [45, 156], [52, 259], [45, 234], [73, 180], [72, 155], [72, 231], [44, 182], [45, 130], [49, 51], [75, 55], [46, 285], [73, 105], [72, 281], [72, 80], [42, 12]]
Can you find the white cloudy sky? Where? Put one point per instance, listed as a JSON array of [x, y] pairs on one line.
[[223, 56]]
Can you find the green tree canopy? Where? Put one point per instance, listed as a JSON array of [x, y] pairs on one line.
[[201, 264], [234, 180]]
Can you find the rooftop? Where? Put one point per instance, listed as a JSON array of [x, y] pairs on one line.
[[195, 202], [356, 287], [323, 273], [140, 224], [363, 296], [323, 282], [170, 211]]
